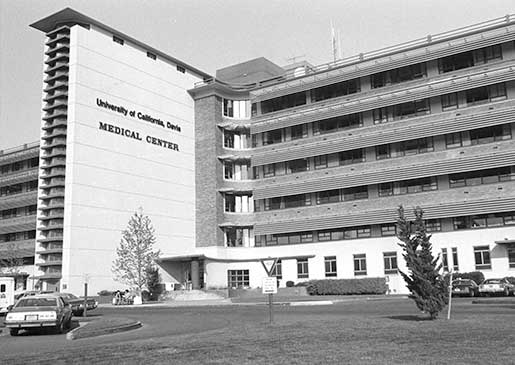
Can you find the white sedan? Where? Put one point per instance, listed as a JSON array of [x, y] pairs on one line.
[[39, 311]]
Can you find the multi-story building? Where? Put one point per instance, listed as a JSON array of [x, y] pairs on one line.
[[310, 165], [305, 164], [18, 191]]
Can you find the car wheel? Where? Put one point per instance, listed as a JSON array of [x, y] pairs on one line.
[[61, 327], [13, 331]]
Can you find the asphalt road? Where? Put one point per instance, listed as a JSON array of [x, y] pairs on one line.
[[168, 322]]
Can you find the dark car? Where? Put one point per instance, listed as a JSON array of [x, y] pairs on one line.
[[77, 304], [39, 311], [465, 287]]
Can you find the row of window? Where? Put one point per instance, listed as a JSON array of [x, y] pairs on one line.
[[241, 278], [19, 188], [18, 212], [386, 151], [386, 229], [19, 165], [479, 95], [381, 79], [472, 178], [151, 55], [17, 236]]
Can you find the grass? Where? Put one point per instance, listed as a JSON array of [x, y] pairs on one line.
[[374, 332]]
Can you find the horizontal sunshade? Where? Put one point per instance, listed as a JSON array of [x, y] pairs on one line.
[[384, 136], [387, 215], [405, 172], [377, 99]]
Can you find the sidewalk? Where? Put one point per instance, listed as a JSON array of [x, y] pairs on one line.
[[277, 300]]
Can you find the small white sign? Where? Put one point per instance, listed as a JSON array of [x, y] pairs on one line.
[[270, 285]]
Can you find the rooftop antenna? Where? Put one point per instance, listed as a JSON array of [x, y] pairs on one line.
[[335, 43]]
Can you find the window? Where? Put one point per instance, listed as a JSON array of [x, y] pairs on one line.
[[490, 134], [269, 170], [511, 257], [283, 102], [181, 69], [390, 262], [273, 203], [236, 108], [118, 40], [335, 90], [382, 152], [337, 124], [470, 58], [277, 271], [271, 137], [324, 235], [401, 74], [486, 94], [321, 162], [302, 269], [238, 278], [298, 131], [299, 165], [299, 200], [481, 177], [433, 225], [151, 55], [360, 264], [380, 115], [453, 140], [385, 189], [230, 203], [411, 109], [237, 237], [351, 157], [482, 257], [228, 139], [356, 193], [228, 170], [445, 261], [455, 265], [328, 196], [330, 266], [388, 229], [449, 101]]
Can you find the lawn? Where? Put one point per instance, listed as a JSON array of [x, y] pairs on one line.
[[357, 332]]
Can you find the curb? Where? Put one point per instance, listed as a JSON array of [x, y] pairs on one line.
[[76, 334]]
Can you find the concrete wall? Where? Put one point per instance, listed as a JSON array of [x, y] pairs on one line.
[[110, 176]]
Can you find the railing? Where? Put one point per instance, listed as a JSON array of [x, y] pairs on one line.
[[21, 148], [429, 39]]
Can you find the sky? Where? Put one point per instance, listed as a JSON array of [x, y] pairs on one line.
[[212, 34]]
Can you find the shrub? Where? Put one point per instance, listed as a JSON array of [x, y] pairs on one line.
[[477, 276], [290, 284], [511, 279], [346, 286], [106, 293], [302, 283]]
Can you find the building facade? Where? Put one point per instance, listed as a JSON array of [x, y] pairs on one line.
[[304, 164], [312, 162], [18, 192]]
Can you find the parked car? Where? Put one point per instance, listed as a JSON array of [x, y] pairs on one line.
[[39, 311], [496, 286], [77, 303], [466, 287]]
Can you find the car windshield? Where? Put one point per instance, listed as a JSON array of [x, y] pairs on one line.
[[37, 302], [493, 281]]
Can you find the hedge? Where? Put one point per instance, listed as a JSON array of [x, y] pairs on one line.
[[477, 276], [347, 286]]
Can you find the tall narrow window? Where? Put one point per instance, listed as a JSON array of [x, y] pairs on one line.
[[455, 263], [360, 264], [330, 266], [390, 262], [482, 257], [302, 269], [445, 261]]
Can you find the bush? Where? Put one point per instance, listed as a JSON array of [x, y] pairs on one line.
[[290, 284], [477, 276], [106, 293], [347, 286], [511, 279]]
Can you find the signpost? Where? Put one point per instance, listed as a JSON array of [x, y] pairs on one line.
[[269, 283]]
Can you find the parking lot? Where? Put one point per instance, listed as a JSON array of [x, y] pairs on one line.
[[357, 331]]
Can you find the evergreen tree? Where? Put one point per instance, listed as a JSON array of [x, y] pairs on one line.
[[426, 285], [135, 255]]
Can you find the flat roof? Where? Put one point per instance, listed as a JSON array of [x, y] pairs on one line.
[[69, 16]]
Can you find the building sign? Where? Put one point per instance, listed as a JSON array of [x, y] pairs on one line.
[[129, 133]]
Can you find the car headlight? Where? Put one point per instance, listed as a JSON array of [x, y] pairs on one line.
[[14, 317], [47, 315]]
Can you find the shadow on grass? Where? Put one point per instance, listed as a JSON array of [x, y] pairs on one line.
[[410, 317]]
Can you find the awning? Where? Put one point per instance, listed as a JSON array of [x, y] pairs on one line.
[[506, 242]]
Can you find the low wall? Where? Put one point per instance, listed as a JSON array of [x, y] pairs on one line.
[[258, 293]]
